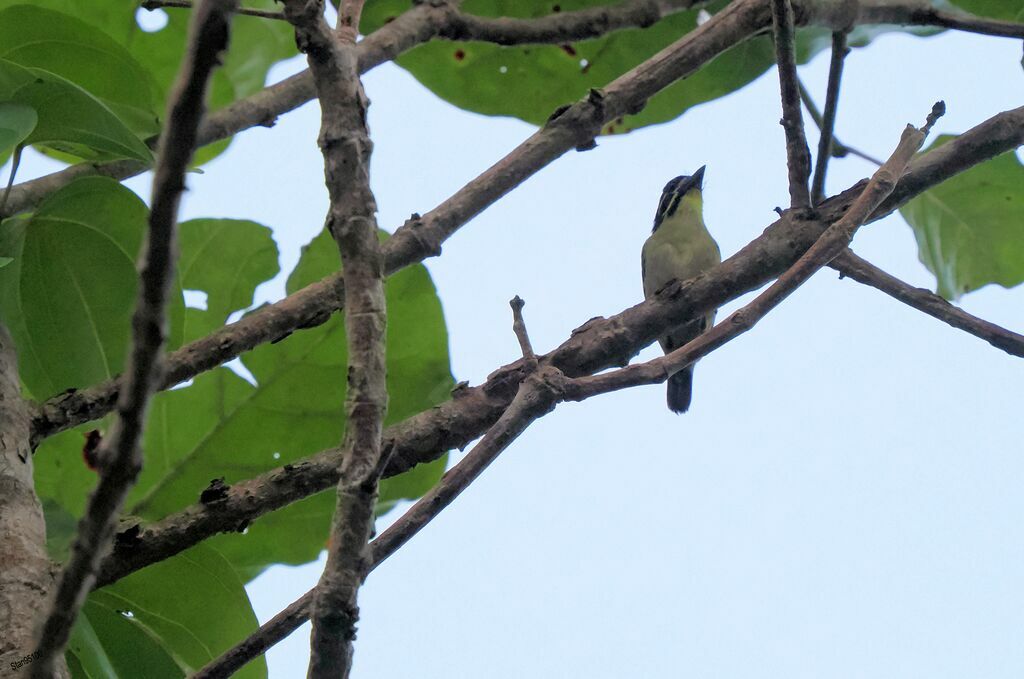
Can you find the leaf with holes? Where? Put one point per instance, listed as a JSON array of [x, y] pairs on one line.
[[969, 228], [226, 259]]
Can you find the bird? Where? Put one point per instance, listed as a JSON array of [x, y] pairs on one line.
[[679, 248]]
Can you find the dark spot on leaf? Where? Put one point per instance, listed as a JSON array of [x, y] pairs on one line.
[[389, 20], [460, 55], [611, 129], [556, 8], [568, 49]]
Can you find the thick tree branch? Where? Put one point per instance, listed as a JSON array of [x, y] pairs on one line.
[[351, 220], [828, 121], [25, 577], [120, 455], [597, 345], [851, 266], [798, 157]]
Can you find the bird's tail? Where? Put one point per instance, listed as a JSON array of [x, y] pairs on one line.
[[680, 389]]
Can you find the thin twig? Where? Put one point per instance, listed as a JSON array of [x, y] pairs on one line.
[[828, 121], [519, 328], [536, 396], [345, 144], [851, 266], [839, 149], [120, 455], [798, 157], [595, 346], [188, 4]]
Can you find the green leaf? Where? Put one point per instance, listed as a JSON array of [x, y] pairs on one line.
[[1010, 10], [61, 44], [251, 259], [4, 261], [223, 426], [16, 123], [171, 618], [69, 294], [968, 228], [70, 120]]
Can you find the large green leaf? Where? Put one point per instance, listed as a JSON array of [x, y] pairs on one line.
[[70, 119], [167, 620], [1011, 10], [223, 426], [970, 229], [32, 36], [69, 294]]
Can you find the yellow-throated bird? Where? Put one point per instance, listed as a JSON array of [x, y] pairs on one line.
[[679, 247]]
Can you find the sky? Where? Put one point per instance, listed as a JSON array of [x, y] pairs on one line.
[[843, 498]]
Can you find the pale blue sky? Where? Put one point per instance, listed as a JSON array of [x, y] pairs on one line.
[[844, 498]]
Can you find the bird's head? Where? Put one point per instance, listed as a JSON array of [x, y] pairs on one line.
[[687, 185]]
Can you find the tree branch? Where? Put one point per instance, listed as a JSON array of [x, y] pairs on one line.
[[120, 456], [828, 122], [597, 345], [25, 577], [850, 265], [798, 157], [345, 144]]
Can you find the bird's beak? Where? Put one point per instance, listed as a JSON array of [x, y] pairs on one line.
[[697, 179]]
